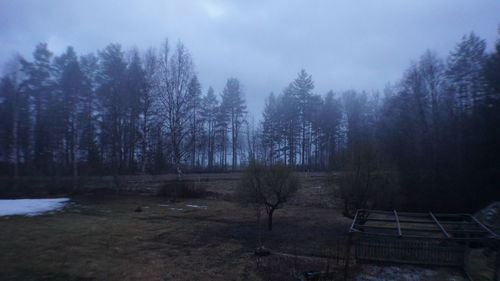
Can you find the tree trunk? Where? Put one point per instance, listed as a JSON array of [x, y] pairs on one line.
[[143, 143], [270, 219], [210, 146], [302, 154], [234, 145], [193, 149], [74, 154], [258, 211], [15, 141]]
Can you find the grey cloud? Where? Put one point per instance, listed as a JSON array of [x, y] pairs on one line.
[[343, 44]]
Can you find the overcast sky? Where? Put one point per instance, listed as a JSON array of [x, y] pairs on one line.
[[344, 44]]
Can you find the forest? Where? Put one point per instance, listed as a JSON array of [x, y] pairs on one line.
[[429, 140]]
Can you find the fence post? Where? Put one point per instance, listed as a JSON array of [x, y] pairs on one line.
[[347, 256], [497, 262], [466, 255]]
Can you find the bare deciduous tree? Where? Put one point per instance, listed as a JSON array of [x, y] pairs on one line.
[[268, 186], [176, 71]]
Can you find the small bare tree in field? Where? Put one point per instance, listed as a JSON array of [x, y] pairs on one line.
[[268, 187]]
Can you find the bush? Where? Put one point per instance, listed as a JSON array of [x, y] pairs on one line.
[[181, 189]]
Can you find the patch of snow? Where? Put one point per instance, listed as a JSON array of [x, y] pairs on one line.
[[195, 206], [30, 207], [163, 205], [146, 207], [176, 209]]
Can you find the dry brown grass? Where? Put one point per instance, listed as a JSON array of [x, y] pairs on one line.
[[100, 237]]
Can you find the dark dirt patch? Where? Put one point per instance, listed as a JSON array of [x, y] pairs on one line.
[[24, 274], [288, 235]]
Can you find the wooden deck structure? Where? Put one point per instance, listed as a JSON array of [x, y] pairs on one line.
[[418, 238]]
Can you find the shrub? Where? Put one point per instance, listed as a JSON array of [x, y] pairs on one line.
[[181, 189]]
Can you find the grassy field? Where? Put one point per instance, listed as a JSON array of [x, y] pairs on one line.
[[100, 237]]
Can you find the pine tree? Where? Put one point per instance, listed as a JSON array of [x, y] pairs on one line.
[[113, 103], [329, 120], [148, 110], [88, 116], [194, 90], [270, 128], [69, 89], [233, 106], [136, 89], [290, 126], [9, 124], [209, 110], [302, 88], [39, 85], [464, 71]]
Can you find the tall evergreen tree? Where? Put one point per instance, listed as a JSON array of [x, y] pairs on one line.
[[194, 90], [113, 103], [39, 84], [136, 89], [270, 129], [88, 115], [148, 110], [464, 71], [14, 124], [233, 106], [329, 121], [302, 87], [210, 106], [290, 125], [70, 87]]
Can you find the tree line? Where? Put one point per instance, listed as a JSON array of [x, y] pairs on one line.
[[431, 140], [431, 136], [116, 112]]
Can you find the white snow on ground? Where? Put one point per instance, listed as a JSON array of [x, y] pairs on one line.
[[195, 206], [176, 209], [30, 207], [405, 273], [163, 205]]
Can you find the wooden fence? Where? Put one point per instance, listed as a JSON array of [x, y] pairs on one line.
[[312, 263], [409, 251], [333, 250]]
